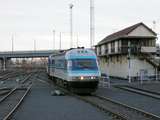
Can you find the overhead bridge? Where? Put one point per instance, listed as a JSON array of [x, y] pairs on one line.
[[27, 54], [6, 56]]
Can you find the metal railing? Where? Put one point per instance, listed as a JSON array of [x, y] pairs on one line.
[[149, 78], [105, 81]]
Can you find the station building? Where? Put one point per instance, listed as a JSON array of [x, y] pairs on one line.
[[129, 52]]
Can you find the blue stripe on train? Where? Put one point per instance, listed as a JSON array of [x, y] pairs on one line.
[[84, 72]]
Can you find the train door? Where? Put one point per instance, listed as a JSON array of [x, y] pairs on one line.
[[52, 67], [49, 66]]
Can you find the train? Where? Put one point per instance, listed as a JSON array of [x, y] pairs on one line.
[[75, 69]]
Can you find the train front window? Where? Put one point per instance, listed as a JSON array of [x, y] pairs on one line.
[[84, 64]]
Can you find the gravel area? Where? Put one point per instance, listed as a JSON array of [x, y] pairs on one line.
[[132, 99], [41, 105]]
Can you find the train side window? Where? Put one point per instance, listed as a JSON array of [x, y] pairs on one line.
[[60, 64]]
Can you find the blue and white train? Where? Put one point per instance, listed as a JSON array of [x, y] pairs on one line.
[[75, 69]]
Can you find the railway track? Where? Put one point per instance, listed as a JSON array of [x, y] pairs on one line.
[[115, 116], [130, 113], [140, 91], [100, 104], [13, 97], [11, 101], [117, 110], [4, 72], [4, 75], [10, 74], [25, 80], [4, 91], [20, 79]]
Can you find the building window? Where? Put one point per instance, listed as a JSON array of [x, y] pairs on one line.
[[99, 50], [112, 47], [119, 46], [106, 49]]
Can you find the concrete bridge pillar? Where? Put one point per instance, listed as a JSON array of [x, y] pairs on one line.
[[1, 63], [4, 63]]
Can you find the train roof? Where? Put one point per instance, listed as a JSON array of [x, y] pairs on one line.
[[76, 53]]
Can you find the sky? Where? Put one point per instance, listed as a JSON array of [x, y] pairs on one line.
[[34, 20]]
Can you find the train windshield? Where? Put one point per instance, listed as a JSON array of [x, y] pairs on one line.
[[84, 64]]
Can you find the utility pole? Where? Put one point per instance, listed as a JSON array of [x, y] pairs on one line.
[[154, 25], [129, 61], [54, 39], [34, 45], [92, 25], [12, 42], [71, 25], [77, 41], [60, 41]]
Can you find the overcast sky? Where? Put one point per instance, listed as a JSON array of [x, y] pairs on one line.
[[29, 20]]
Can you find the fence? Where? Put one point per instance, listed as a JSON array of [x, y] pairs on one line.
[[149, 77], [104, 81]]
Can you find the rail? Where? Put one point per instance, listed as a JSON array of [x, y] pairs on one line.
[[7, 117], [140, 91], [142, 112], [100, 107]]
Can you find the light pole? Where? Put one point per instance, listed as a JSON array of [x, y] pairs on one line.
[[34, 45], [92, 26], [154, 25], [12, 42], [54, 39], [77, 41], [71, 25], [60, 41]]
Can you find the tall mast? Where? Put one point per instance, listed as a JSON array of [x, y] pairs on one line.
[[71, 26], [92, 25]]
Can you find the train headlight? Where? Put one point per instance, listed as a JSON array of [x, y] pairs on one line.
[[81, 77], [93, 77]]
